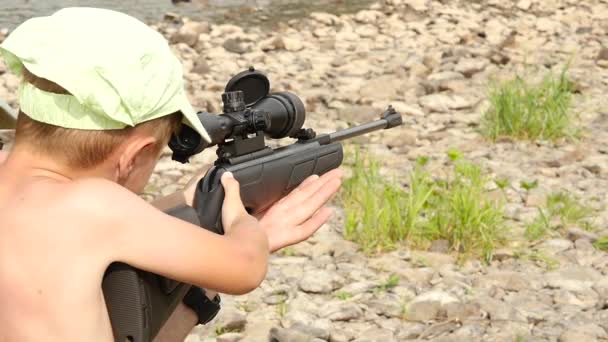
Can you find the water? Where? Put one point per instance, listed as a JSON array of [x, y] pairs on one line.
[[240, 12]]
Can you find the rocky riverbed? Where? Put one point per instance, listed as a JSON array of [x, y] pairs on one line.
[[433, 61]]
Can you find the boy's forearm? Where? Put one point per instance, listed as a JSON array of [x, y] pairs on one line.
[[254, 248]]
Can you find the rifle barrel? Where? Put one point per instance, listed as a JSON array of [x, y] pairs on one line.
[[390, 119], [358, 130]]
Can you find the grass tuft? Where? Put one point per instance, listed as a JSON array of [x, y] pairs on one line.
[[342, 295], [562, 209], [381, 214], [523, 110], [601, 244]]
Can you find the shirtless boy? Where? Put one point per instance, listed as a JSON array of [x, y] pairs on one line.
[[101, 94]]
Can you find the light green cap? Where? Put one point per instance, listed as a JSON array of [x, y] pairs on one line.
[[119, 71]]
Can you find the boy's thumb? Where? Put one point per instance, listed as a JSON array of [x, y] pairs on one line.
[[231, 188]]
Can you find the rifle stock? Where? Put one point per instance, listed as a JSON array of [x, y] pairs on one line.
[[265, 180]]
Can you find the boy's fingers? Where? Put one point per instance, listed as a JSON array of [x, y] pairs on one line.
[[314, 201], [314, 223], [310, 179], [294, 200]]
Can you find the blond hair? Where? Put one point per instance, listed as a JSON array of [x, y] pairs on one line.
[[79, 148]]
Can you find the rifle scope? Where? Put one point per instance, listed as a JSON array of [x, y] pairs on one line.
[[248, 109]]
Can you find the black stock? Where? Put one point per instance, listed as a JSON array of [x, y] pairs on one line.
[[139, 303]]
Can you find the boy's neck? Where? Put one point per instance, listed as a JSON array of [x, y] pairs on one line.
[[35, 164]]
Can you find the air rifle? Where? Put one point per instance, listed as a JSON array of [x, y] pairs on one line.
[[139, 303]]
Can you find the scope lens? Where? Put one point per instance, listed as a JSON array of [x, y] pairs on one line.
[[285, 111]]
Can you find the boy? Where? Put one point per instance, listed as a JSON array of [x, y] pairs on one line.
[[100, 96]]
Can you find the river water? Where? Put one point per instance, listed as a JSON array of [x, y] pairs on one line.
[[239, 12]]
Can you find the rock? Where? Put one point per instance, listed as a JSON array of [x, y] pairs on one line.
[[357, 114], [544, 24], [603, 54], [376, 335], [470, 66], [230, 337], [368, 17], [443, 103], [289, 335], [400, 137], [575, 336], [201, 67], [583, 245], [431, 259], [573, 278], [507, 280], [496, 32], [524, 5], [273, 43], [341, 335], [576, 233], [341, 311], [386, 307], [391, 87], [417, 5], [440, 81], [320, 281], [461, 312], [499, 311], [367, 31], [189, 33], [427, 306], [293, 45], [303, 302], [359, 287], [555, 245], [313, 330], [231, 319], [406, 109], [325, 18], [602, 57], [236, 45]]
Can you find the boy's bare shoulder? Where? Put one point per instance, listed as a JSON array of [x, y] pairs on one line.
[[101, 201]]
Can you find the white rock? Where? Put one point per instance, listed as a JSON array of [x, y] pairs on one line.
[[443, 103], [524, 5]]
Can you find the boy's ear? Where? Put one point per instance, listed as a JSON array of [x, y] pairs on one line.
[[132, 154]]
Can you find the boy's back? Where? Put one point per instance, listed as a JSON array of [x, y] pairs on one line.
[[50, 271]]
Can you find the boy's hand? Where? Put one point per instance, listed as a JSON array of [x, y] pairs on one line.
[[301, 213]]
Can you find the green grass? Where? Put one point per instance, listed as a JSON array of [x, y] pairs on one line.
[[601, 244], [381, 214], [281, 309], [344, 295], [562, 209], [523, 110], [391, 282], [287, 251], [540, 258]]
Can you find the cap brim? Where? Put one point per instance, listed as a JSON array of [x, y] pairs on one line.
[[192, 120]]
